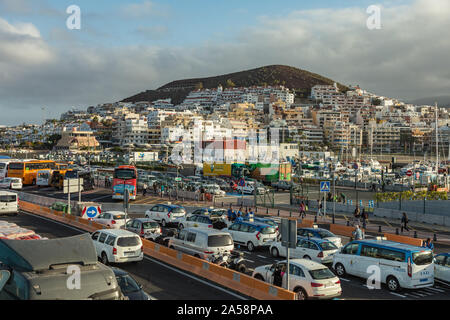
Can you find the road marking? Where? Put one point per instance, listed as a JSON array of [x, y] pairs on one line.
[[264, 257], [192, 277], [396, 294], [415, 294], [102, 197], [344, 279], [435, 289], [430, 290], [250, 260]]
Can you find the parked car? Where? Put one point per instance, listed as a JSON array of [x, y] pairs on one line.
[[252, 235], [11, 183], [308, 279], [146, 228], [251, 188], [9, 203], [284, 185], [202, 243], [320, 233], [166, 214], [129, 286], [112, 219], [442, 267], [318, 250], [117, 246]]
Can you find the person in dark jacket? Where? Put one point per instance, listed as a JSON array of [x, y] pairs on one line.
[[404, 222], [277, 277], [364, 218], [428, 244]]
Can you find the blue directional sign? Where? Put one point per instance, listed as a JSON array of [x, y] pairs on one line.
[[242, 182], [91, 212], [324, 186]]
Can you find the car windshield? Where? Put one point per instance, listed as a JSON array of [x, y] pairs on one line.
[[325, 233], [321, 274], [128, 242], [220, 240], [422, 258], [127, 284], [124, 174], [328, 246], [150, 225], [8, 198], [178, 210]]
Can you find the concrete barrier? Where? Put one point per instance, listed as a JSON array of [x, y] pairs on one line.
[[403, 239], [229, 278], [342, 230]]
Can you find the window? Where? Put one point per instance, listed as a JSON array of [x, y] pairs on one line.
[[136, 224], [95, 235], [128, 241], [422, 258], [244, 228], [220, 240], [155, 208], [447, 264], [102, 237], [371, 252], [321, 274], [204, 220], [8, 198], [110, 241], [191, 237], [181, 235], [150, 225], [296, 271], [328, 246], [350, 248], [440, 260], [268, 230], [235, 227], [163, 209], [118, 217], [391, 255]]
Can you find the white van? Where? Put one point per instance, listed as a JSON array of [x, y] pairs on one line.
[[400, 265], [9, 203], [116, 245], [202, 243], [43, 178]]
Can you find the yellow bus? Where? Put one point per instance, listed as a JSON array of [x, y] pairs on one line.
[[27, 169]]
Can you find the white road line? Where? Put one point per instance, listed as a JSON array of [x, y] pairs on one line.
[[415, 295], [344, 279], [430, 290], [396, 294], [250, 260], [263, 257], [436, 289], [102, 197], [192, 277], [155, 261]]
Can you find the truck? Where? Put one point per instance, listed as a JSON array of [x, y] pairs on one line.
[[44, 270]]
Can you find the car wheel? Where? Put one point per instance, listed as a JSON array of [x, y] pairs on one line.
[[300, 294], [340, 270], [259, 277], [275, 253], [393, 284], [307, 257], [104, 259], [242, 268], [250, 246]]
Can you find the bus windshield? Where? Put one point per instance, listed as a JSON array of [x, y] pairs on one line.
[[124, 174], [422, 257]]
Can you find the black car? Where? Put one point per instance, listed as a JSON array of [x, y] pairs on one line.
[[129, 287]]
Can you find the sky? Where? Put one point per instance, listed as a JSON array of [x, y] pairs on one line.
[[125, 47]]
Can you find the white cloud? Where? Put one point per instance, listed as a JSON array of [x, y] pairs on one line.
[[144, 9]]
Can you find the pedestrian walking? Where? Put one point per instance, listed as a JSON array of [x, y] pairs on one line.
[[404, 222], [357, 215], [364, 218], [302, 210], [144, 191], [319, 210], [358, 234], [428, 244]]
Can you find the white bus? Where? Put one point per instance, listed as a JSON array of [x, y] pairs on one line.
[[400, 265], [9, 203]]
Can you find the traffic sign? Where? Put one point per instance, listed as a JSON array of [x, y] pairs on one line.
[[409, 173], [91, 212], [324, 186], [71, 185], [242, 182]]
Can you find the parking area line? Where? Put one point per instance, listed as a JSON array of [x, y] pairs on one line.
[[397, 294]]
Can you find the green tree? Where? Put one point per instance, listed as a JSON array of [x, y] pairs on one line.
[[230, 84]]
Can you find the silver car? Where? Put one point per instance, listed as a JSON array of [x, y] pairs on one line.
[[144, 227]]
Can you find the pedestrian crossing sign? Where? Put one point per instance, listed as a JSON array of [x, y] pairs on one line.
[[324, 186]]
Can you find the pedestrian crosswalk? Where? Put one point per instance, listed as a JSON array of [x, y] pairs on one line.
[[423, 293]]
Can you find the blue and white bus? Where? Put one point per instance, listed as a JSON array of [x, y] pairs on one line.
[[400, 265]]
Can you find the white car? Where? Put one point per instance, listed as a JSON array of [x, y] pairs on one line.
[[252, 235], [112, 219], [144, 227], [318, 250], [195, 221], [308, 279], [117, 246], [319, 233], [442, 267], [250, 188], [215, 190], [11, 183], [166, 214]]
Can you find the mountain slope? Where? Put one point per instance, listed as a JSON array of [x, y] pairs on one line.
[[442, 101], [295, 79]]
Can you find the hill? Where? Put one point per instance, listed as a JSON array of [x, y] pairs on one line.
[[300, 81]]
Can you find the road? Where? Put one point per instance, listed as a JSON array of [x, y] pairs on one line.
[[159, 280], [167, 283]]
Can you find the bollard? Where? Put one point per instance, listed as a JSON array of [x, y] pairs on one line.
[[333, 218], [396, 231], [379, 229], [348, 223], [256, 209], [278, 212], [267, 210], [290, 214], [415, 234], [315, 218], [435, 238]]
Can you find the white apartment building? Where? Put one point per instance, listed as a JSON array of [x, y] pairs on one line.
[[131, 129]]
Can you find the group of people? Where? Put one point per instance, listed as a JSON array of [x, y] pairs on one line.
[[360, 217], [238, 216]]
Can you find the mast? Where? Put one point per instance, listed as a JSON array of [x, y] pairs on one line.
[[437, 148]]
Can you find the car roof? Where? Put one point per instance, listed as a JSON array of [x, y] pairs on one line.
[[255, 224], [206, 231], [115, 212], [118, 232], [315, 240], [392, 244], [306, 263]]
